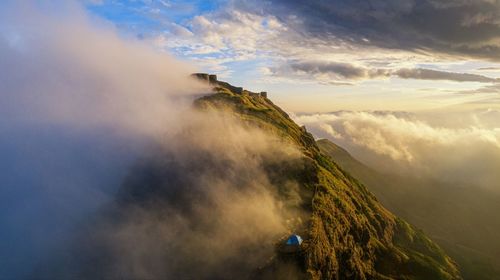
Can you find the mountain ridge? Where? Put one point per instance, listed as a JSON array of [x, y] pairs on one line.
[[350, 235], [222, 195]]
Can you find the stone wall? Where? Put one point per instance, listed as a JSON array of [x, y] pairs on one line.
[[209, 78], [212, 80]]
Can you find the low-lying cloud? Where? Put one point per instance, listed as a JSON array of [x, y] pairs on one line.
[[60, 67], [466, 152], [80, 106], [203, 206]]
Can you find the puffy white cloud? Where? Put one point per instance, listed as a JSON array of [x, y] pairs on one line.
[[224, 36]]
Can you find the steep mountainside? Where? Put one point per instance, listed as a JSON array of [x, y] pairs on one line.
[[218, 199], [460, 219], [348, 234]]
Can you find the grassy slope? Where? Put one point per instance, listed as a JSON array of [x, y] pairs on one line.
[[470, 238], [349, 234]]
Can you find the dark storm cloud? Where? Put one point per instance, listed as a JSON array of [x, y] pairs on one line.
[[462, 27], [427, 74], [489, 69], [343, 70], [336, 70]]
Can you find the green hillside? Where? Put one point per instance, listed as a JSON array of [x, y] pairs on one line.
[[462, 220], [219, 199], [347, 234]]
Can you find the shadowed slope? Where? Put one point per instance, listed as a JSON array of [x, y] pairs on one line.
[[461, 219]]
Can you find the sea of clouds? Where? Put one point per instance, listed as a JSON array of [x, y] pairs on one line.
[[460, 147]]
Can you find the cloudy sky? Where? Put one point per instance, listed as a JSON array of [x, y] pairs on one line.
[[321, 56], [87, 85], [405, 83]]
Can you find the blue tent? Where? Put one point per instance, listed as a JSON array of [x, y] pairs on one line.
[[294, 239]]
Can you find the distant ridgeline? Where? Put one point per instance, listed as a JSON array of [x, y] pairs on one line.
[[212, 80]]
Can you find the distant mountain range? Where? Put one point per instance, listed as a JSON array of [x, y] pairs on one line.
[[461, 219]]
